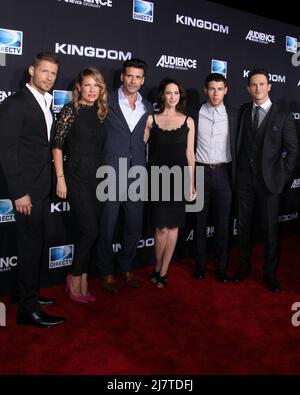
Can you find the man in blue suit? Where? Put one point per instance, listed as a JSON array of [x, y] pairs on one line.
[[125, 124]]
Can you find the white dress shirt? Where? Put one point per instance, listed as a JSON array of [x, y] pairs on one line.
[[132, 116], [213, 139], [45, 103]]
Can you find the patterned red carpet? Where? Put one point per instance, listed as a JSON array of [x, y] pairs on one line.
[[190, 327]]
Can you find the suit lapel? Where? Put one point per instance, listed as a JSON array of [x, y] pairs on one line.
[[38, 112]]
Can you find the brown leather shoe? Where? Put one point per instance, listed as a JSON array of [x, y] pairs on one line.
[[130, 280], [109, 284]]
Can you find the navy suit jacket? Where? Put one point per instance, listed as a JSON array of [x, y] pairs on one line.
[[120, 141]]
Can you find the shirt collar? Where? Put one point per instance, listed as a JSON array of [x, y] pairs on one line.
[[266, 105], [220, 109], [39, 96], [123, 98]]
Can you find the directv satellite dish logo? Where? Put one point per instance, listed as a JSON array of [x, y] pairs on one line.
[[60, 98], [143, 10], [61, 256], [291, 44], [6, 211], [219, 66], [11, 41]]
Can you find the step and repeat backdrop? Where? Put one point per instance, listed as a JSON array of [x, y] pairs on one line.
[[182, 39]]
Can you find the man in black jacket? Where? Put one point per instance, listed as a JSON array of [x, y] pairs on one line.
[[26, 124], [267, 153]]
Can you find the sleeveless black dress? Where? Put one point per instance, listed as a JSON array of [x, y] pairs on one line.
[[167, 148]]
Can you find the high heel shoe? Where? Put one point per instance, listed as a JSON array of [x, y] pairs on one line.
[[79, 299], [154, 275], [162, 281]]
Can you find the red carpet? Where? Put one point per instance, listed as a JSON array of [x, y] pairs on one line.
[[191, 327]]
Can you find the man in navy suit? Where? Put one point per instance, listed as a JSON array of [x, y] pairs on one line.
[[267, 154], [216, 125], [125, 124], [26, 125]]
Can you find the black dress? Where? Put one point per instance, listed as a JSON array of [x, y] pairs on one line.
[[81, 136], [168, 148]]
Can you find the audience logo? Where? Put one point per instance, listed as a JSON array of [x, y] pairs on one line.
[[4, 95], [201, 24], [219, 66], [7, 263], [296, 183], [61, 256], [262, 38], [89, 3], [143, 10], [60, 98], [91, 52], [11, 41], [290, 44], [6, 211], [174, 62]]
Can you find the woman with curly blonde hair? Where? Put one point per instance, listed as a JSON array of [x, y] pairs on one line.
[[80, 135]]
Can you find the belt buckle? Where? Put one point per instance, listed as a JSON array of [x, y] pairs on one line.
[[213, 165]]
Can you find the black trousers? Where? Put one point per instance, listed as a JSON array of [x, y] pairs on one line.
[[31, 231], [131, 233], [252, 194], [85, 211], [217, 201]]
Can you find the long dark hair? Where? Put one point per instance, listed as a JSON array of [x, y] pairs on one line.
[[161, 89]]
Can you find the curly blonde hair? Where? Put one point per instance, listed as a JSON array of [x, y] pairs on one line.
[[101, 102]]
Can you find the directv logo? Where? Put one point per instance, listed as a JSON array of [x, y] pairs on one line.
[[61, 256], [6, 211], [60, 98], [219, 66], [11, 41], [143, 10], [291, 44]]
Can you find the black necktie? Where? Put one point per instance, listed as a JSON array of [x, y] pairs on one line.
[[255, 122]]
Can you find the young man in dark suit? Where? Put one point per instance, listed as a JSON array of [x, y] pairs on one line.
[[125, 124], [26, 124], [267, 153], [215, 125]]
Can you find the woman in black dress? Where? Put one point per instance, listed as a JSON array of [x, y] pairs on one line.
[[81, 135], [171, 144]]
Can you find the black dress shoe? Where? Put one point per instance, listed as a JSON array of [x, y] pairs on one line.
[[199, 274], [240, 274], [44, 301], [272, 283], [222, 277], [40, 319]]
